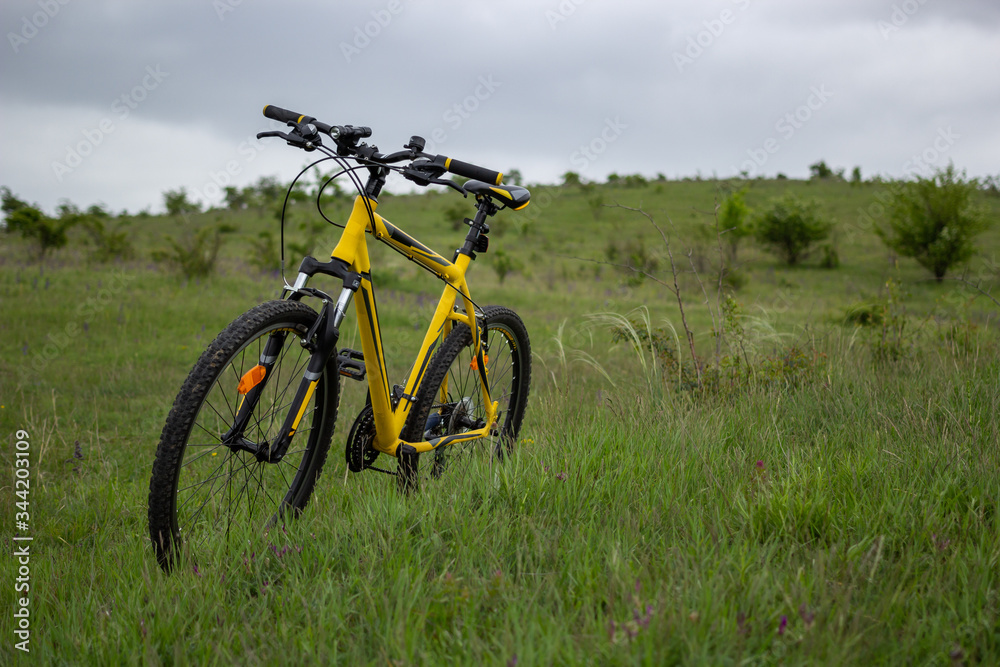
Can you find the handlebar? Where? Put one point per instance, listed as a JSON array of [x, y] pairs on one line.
[[347, 137], [469, 170], [285, 116]]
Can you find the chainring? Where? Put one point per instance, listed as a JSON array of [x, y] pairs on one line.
[[359, 451]]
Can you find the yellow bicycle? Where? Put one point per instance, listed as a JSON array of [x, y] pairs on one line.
[[250, 429]]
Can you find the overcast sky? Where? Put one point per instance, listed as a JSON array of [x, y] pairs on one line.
[[115, 101]]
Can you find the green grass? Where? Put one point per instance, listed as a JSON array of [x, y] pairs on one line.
[[636, 524]]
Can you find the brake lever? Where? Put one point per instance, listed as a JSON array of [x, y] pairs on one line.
[[450, 184], [420, 177], [293, 139]]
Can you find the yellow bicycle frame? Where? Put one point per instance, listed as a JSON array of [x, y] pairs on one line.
[[353, 249]]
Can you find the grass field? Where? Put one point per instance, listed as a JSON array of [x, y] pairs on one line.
[[848, 514]]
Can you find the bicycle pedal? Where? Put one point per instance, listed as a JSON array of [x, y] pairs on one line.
[[352, 364]]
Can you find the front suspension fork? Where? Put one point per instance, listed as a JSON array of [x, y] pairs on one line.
[[322, 341]]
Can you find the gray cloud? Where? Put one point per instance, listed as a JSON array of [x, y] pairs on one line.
[[690, 86]]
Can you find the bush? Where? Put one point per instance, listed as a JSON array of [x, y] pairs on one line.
[[934, 221], [504, 264], [31, 223], [820, 170], [830, 259], [790, 227], [194, 256], [633, 257], [734, 215], [177, 204], [264, 254], [109, 242]]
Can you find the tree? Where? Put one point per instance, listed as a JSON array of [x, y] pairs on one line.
[[48, 233], [31, 223], [820, 170], [790, 227], [236, 199], [177, 204], [10, 205], [513, 177], [571, 178], [935, 220]]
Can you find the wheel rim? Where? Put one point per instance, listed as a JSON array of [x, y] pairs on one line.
[[460, 405]]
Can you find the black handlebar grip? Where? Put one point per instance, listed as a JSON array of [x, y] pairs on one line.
[[467, 170], [285, 116]]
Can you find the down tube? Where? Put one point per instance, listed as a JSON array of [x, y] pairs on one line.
[[371, 345]]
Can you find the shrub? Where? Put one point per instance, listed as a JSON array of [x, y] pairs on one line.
[[820, 170], [790, 227], [829, 259], [177, 204], [734, 215], [31, 223], [892, 340], [934, 221], [751, 364], [633, 257], [195, 255], [307, 243], [596, 204], [571, 178], [264, 253], [504, 264], [110, 242]]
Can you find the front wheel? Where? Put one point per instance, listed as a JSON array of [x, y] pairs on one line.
[[450, 399], [206, 494]]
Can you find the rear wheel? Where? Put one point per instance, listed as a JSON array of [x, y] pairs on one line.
[[205, 495], [450, 399]]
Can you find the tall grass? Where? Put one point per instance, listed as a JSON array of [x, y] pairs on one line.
[[849, 519]]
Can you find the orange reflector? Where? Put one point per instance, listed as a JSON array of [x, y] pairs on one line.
[[474, 365], [251, 379]]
